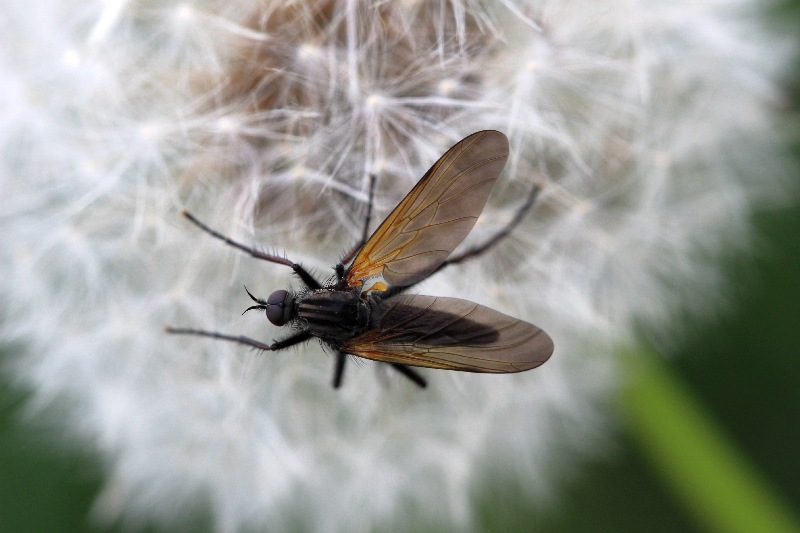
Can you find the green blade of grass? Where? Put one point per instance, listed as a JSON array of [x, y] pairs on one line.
[[693, 455]]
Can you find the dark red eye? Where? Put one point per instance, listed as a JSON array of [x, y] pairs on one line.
[[276, 307]]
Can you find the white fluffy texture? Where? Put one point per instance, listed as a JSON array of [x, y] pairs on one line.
[[265, 121]]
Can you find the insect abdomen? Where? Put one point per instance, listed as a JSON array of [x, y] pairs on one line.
[[332, 314]]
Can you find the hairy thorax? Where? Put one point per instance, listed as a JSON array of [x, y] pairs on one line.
[[333, 314]]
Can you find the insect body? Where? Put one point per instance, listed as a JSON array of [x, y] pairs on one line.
[[366, 311], [330, 314]]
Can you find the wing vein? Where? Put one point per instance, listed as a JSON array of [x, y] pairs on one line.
[[461, 179]]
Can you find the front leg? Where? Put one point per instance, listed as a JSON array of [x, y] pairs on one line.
[[247, 341], [301, 272]]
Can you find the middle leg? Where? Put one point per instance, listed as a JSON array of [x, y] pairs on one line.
[[499, 236]]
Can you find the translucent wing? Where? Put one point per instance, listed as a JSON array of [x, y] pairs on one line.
[[449, 333], [436, 215]]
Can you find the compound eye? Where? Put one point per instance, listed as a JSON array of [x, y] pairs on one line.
[[276, 305]]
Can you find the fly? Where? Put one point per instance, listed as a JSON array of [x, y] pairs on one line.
[[365, 311]]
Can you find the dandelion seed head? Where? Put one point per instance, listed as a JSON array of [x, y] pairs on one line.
[[266, 122]]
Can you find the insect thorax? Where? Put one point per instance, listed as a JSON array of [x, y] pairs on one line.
[[333, 314]]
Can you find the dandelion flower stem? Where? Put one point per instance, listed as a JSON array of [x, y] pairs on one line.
[[700, 464]]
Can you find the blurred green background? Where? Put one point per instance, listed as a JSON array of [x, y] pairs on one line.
[[740, 375]]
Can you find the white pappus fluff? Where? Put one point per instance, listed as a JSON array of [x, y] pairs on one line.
[[647, 126]]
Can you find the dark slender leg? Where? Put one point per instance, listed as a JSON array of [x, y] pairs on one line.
[[365, 232], [338, 370], [297, 338], [368, 218], [407, 371], [410, 373], [478, 250], [499, 236], [307, 278], [247, 341]]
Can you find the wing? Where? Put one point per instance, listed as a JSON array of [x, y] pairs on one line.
[[436, 215], [451, 334]]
